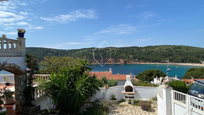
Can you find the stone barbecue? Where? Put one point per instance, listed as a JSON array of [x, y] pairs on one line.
[[129, 92]]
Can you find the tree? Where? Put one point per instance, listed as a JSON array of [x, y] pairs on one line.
[[32, 64], [54, 64], [149, 75], [179, 86], [196, 73], [70, 88]]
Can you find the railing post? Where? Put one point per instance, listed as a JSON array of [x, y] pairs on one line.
[[188, 104], [172, 102]]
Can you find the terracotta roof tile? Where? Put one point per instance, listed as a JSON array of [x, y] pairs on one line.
[[109, 75]]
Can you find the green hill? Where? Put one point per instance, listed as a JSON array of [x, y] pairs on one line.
[[175, 53]]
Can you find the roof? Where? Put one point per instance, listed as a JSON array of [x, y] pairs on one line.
[[192, 80], [200, 81], [109, 75], [188, 80]]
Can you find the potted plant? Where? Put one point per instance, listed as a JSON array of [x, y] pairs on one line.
[[113, 99], [106, 86], [7, 96], [6, 80], [3, 36], [21, 32]]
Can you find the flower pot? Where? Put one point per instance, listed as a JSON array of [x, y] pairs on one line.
[[3, 36], [166, 85], [7, 84], [21, 35], [106, 86]]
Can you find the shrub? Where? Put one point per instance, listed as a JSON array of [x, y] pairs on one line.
[[112, 83], [104, 81], [129, 101], [99, 107], [122, 100], [71, 88], [145, 105], [179, 86], [136, 102], [155, 98], [143, 83], [113, 97]]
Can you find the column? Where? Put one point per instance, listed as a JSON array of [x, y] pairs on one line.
[[22, 46]]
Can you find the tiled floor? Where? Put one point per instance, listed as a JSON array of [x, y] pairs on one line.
[[127, 109], [10, 109]]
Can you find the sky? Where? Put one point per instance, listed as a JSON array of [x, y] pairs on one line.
[[74, 24]]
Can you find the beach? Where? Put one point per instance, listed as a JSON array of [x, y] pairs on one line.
[[185, 64]]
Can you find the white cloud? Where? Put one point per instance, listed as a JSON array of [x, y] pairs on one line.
[[33, 27], [142, 5], [8, 33], [200, 31], [72, 16], [62, 45], [74, 43], [144, 15], [42, 1], [129, 6], [22, 23], [119, 29], [147, 15], [23, 13], [143, 40], [11, 17]]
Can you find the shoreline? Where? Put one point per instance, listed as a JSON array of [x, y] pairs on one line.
[[184, 64]]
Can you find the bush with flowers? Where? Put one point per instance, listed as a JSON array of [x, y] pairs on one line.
[[21, 30]]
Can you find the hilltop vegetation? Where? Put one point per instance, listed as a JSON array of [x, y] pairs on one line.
[[196, 73], [173, 53], [149, 75]]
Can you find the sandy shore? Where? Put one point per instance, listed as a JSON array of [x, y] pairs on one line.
[[186, 64]]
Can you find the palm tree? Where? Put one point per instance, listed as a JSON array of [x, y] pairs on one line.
[[32, 64], [71, 88]]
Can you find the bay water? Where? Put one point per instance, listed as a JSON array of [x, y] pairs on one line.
[[135, 69]]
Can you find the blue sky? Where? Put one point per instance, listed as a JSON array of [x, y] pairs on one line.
[[73, 24]]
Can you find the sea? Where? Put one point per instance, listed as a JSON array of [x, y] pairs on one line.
[[135, 69]]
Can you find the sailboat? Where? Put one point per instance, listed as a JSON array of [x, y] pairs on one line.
[[168, 69]]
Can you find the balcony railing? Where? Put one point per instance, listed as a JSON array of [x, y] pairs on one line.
[[189, 101], [38, 78], [180, 97]]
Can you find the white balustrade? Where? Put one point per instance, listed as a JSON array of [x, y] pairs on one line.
[[7, 78], [9, 44], [193, 102], [196, 102], [178, 96]]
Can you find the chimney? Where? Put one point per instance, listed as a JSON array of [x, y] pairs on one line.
[[110, 70]]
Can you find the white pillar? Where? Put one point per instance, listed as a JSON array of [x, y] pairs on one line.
[[167, 99], [22, 46]]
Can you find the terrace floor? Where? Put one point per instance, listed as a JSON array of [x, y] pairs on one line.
[[127, 109]]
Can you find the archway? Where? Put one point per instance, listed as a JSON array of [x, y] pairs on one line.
[[19, 77], [12, 59]]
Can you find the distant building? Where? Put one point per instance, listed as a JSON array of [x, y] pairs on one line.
[[120, 77]]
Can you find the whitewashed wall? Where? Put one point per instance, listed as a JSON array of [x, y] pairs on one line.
[[172, 102], [44, 102], [143, 93], [20, 61]]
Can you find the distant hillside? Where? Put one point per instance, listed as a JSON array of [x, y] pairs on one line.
[[175, 53]]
